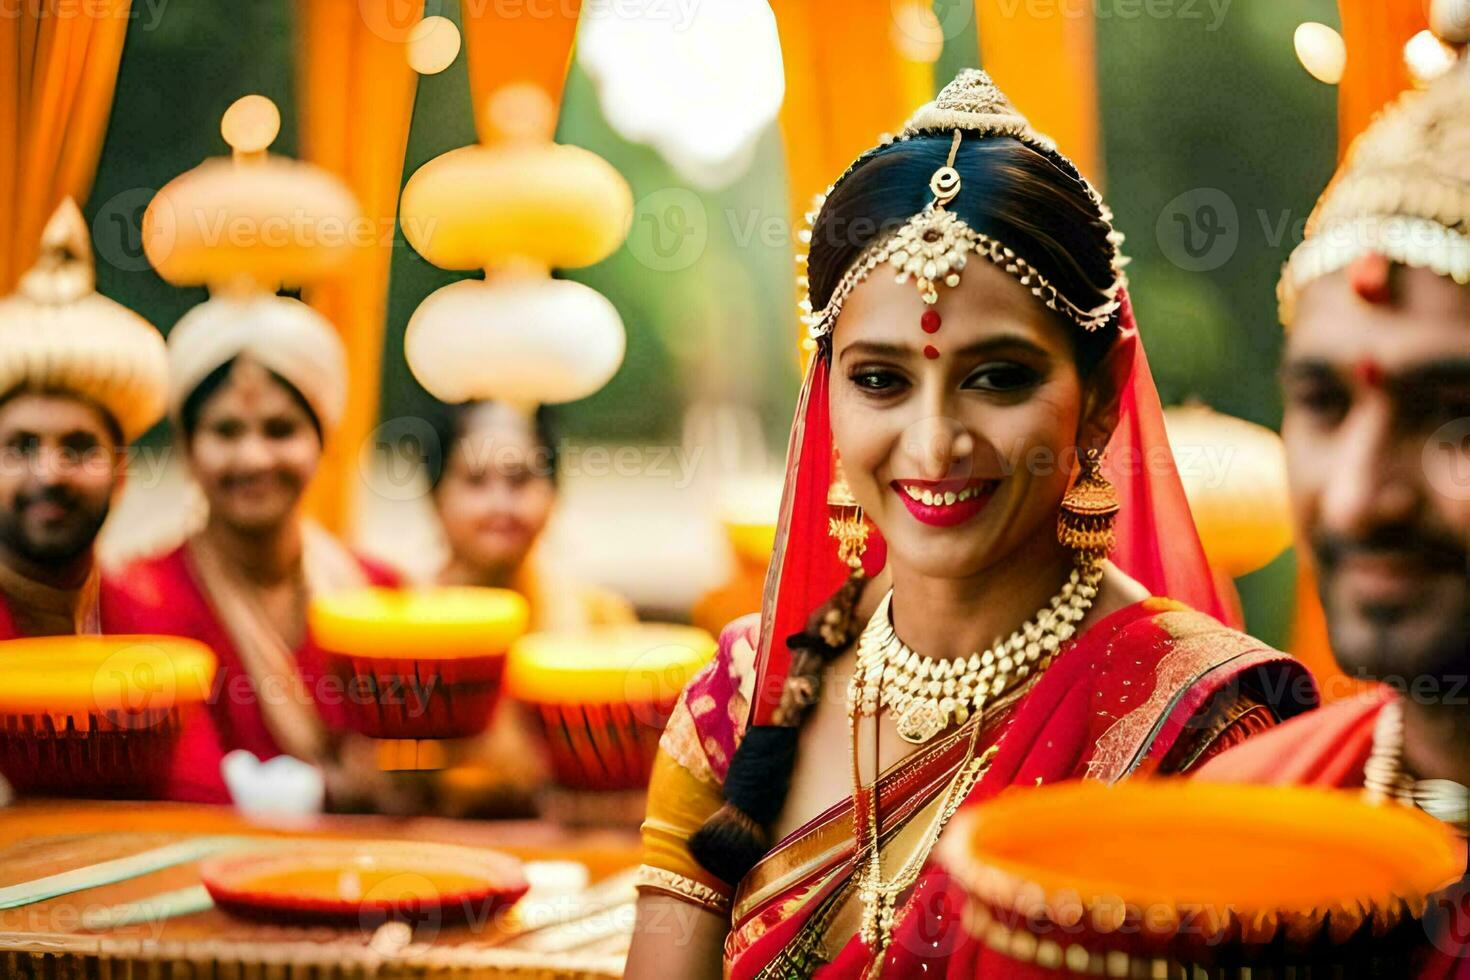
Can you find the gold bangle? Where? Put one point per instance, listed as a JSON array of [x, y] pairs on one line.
[[651, 879]]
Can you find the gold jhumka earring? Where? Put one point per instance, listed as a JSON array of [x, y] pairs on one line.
[[1089, 509], [846, 524]]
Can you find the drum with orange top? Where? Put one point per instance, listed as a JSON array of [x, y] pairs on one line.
[[1177, 879], [603, 695], [419, 663], [97, 716]]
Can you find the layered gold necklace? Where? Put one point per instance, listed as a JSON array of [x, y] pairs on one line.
[[927, 695]]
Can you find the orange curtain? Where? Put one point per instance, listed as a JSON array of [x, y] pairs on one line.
[[847, 83], [1044, 57], [58, 69], [502, 50], [356, 106], [1374, 32]]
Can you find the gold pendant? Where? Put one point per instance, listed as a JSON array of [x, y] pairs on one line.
[[920, 721]]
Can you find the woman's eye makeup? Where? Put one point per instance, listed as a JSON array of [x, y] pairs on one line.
[[874, 379], [1003, 376]]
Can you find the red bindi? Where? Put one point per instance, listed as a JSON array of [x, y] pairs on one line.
[[930, 321], [1368, 372], [1369, 276], [930, 351]]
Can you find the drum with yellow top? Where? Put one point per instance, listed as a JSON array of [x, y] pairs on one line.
[[1177, 879], [421, 663], [97, 716], [603, 695]]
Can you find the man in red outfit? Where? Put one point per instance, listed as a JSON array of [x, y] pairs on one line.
[[1377, 432]]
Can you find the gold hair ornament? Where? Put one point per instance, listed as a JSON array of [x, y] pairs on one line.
[[933, 246]]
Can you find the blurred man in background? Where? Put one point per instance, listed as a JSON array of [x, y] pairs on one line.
[[1377, 431], [80, 376]]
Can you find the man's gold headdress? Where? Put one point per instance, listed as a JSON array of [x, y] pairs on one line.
[[1403, 192], [58, 333], [934, 245]]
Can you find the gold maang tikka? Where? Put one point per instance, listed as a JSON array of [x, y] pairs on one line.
[[934, 245]]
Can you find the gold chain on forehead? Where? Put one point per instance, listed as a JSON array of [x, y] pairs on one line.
[[934, 245]]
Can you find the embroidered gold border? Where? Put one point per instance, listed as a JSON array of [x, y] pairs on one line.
[[1200, 645], [683, 888]]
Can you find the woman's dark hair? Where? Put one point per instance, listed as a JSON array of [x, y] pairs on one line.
[[194, 404], [1010, 191], [451, 423], [1033, 202]]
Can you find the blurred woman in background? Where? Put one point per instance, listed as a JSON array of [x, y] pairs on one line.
[[494, 487], [257, 384]]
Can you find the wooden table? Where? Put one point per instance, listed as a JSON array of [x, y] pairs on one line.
[[585, 936]]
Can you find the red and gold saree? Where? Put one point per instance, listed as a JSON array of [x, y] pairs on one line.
[[1151, 688], [1154, 687]]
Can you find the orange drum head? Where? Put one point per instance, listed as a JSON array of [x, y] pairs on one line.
[[1192, 872]]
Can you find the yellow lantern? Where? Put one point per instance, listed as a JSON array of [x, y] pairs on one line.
[[517, 207], [251, 221], [1234, 474]]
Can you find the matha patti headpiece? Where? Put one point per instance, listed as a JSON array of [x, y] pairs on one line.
[[1402, 193], [934, 245]]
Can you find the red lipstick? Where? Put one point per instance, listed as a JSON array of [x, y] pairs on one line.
[[944, 503]]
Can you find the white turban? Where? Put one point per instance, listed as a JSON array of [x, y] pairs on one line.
[[58, 333], [281, 334]]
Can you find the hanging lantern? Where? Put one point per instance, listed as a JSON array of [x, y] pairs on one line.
[[1234, 474], [1450, 20], [1321, 51], [252, 220], [1427, 57], [516, 206]]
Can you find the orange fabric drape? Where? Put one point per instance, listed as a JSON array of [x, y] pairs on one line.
[[356, 106], [847, 83], [527, 48], [58, 69], [1309, 642], [1374, 32], [1044, 57]]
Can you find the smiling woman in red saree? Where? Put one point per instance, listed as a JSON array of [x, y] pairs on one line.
[[788, 828]]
